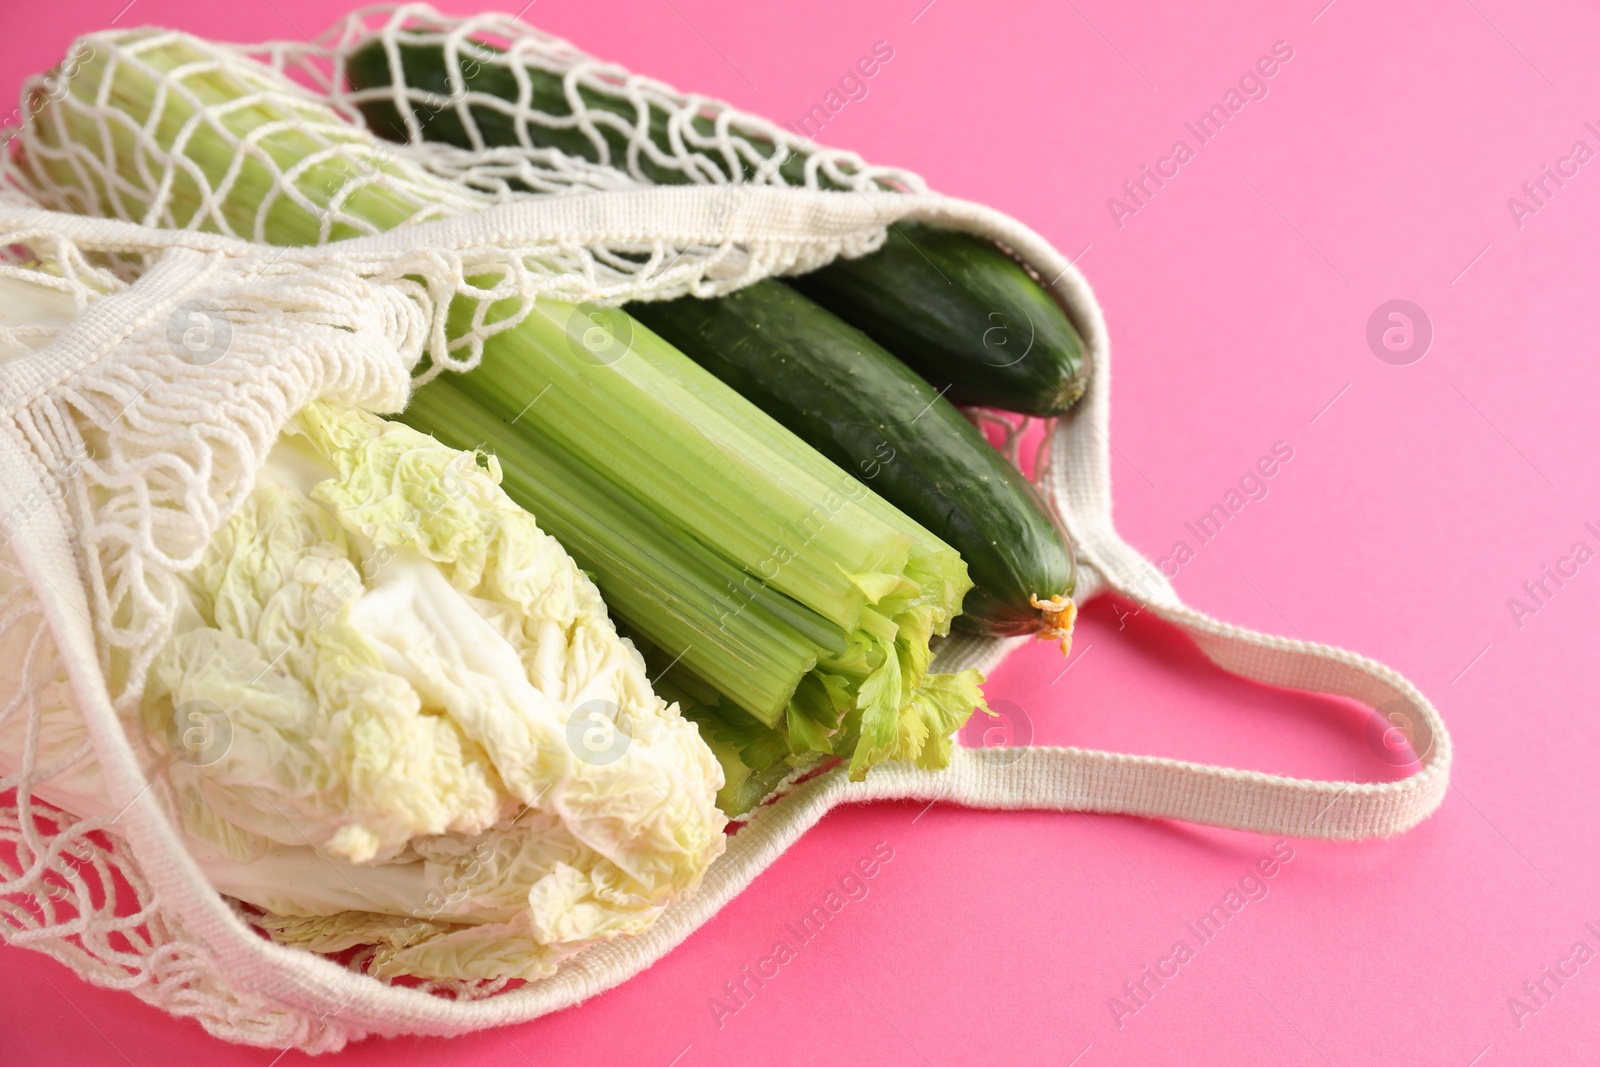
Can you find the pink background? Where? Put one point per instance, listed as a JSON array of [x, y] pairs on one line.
[[1378, 167]]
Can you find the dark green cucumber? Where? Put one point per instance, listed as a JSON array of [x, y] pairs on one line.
[[855, 403], [426, 67], [957, 309], [961, 313]]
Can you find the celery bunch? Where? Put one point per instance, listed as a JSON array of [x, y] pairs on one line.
[[793, 606]]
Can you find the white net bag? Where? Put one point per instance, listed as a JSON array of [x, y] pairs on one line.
[[121, 454]]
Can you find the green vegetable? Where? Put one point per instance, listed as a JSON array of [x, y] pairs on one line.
[[851, 581], [754, 758], [853, 590], [605, 139], [391, 659], [956, 308], [961, 313], [866, 411], [641, 559]]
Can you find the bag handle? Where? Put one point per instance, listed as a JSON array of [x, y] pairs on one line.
[[1044, 778], [1076, 481], [1075, 779]]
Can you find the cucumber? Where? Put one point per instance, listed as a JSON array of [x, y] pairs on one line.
[[957, 309], [961, 313], [847, 397], [426, 68]]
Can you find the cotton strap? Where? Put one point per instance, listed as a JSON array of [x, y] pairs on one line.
[[1073, 779], [1077, 483]]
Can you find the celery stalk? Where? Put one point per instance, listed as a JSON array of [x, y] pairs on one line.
[[756, 656], [791, 518]]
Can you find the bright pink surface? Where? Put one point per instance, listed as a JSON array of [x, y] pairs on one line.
[[1377, 167]]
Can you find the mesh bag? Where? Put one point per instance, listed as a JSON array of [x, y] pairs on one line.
[[121, 455]]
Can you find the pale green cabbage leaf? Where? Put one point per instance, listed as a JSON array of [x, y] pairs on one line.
[[398, 714]]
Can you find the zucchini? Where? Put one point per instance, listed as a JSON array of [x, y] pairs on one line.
[[961, 313], [956, 308], [844, 395]]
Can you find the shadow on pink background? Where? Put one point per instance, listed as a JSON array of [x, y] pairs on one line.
[[1419, 499]]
